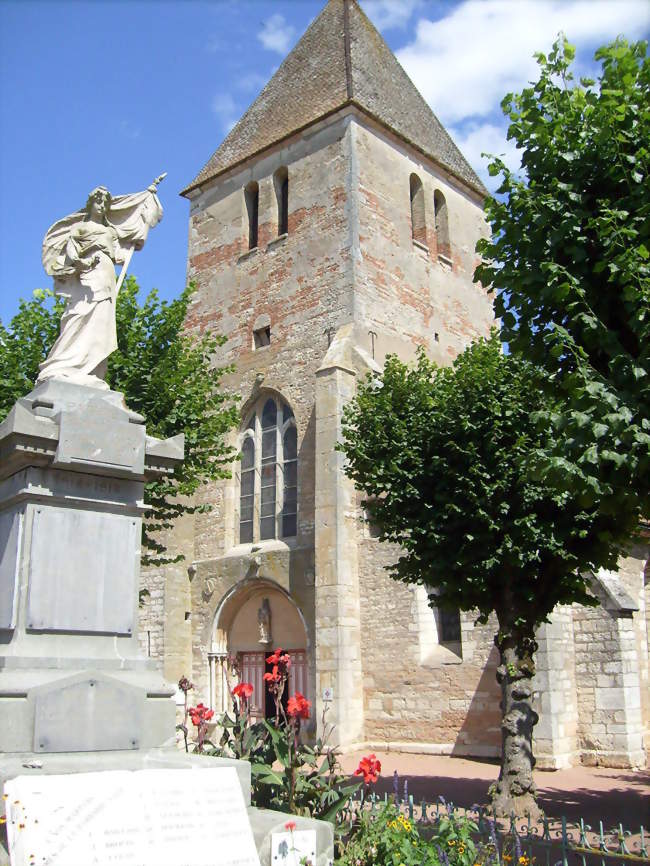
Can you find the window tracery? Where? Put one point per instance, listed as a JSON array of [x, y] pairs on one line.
[[268, 492]]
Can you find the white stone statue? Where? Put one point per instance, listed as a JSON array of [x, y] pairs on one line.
[[80, 251]]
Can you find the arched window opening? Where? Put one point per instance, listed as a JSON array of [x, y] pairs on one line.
[[441, 224], [418, 223], [281, 183], [269, 507], [269, 470], [252, 196]]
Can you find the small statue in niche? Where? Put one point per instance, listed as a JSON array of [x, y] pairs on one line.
[[264, 622]]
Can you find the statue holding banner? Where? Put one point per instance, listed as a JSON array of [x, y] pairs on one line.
[[80, 251]]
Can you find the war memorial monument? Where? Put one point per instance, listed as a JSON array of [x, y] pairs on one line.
[[89, 765]]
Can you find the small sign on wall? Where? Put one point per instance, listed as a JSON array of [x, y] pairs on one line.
[[328, 694]]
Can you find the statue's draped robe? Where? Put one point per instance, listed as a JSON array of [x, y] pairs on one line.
[[88, 335]]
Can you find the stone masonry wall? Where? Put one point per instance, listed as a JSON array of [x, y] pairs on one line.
[[409, 296], [348, 257], [634, 572], [554, 692], [607, 675], [348, 273], [449, 705], [406, 292], [300, 285], [151, 614]]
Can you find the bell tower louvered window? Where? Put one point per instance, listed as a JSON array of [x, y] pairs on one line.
[[418, 223], [441, 224], [281, 183], [252, 198]]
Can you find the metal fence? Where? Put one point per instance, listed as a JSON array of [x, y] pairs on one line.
[[553, 842]]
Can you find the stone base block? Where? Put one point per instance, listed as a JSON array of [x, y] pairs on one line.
[[616, 760], [554, 762], [51, 711]]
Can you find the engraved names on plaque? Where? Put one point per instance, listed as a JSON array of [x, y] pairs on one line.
[[121, 818]]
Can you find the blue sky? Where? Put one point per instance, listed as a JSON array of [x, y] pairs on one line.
[[114, 92]]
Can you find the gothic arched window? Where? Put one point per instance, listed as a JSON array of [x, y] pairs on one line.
[[268, 492]]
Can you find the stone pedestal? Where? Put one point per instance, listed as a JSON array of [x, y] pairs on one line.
[[73, 462], [75, 693]]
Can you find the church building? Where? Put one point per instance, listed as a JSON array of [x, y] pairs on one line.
[[337, 223]]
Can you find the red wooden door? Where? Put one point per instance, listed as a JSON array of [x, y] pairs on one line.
[[253, 667]]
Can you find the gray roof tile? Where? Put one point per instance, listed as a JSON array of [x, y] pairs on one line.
[[341, 60]]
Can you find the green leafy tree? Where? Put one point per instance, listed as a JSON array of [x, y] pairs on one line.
[[569, 260], [165, 373], [443, 456], [24, 344]]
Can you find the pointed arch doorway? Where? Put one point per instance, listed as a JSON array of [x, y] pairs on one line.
[[254, 618]]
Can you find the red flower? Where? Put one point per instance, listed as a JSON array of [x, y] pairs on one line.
[[185, 685], [298, 706], [199, 714], [272, 677], [279, 658], [370, 768], [243, 691], [290, 825]]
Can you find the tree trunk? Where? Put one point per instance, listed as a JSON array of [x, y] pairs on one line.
[[515, 792]]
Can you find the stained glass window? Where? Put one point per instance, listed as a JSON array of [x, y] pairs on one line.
[[268, 499]]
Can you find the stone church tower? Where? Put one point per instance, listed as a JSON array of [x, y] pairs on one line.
[[336, 223]]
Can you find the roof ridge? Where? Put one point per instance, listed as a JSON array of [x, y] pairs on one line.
[[347, 49]]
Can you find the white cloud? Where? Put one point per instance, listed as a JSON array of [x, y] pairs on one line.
[[465, 63], [475, 139], [390, 14], [224, 107], [276, 34]]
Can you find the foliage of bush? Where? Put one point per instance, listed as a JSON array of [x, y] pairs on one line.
[[387, 839]]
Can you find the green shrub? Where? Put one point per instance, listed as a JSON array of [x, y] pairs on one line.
[[387, 838]]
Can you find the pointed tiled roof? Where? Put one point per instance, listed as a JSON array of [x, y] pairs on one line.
[[341, 60]]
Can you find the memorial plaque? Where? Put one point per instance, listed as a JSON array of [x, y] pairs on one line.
[[9, 548], [88, 714], [120, 818], [100, 439], [82, 571], [288, 849]]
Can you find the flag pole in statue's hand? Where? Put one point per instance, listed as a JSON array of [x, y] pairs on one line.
[[129, 255]]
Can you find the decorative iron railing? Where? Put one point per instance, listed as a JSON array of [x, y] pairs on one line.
[[551, 842]]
